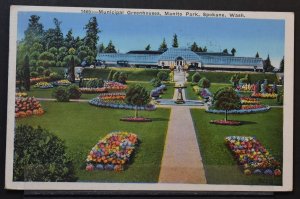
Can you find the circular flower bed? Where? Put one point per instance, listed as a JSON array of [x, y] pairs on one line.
[[264, 95], [227, 122], [252, 157], [135, 119], [119, 104], [93, 90], [113, 152], [249, 100], [245, 109], [63, 82], [43, 85], [27, 106], [114, 86]]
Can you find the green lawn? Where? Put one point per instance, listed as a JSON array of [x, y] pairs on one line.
[[220, 166], [82, 125]]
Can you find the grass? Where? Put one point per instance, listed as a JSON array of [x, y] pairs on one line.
[[224, 77], [82, 125], [134, 74], [220, 165]]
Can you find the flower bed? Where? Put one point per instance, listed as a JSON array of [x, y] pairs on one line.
[[249, 100], [43, 85], [252, 157], [21, 94], [113, 152], [227, 122], [27, 106], [114, 86], [119, 104], [35, 80], [93, 90], [264, 95], [135, 119], [254, 109], [63, 82], [112, 96]]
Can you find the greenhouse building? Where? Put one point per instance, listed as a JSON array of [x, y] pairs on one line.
[[181, 57]]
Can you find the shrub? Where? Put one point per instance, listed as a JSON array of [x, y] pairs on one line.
[[204, 83], [155, 82], [34, 74], [55, 76], [110, 76], [123, 78], [74, 91], [61, 94], [95, 83], [115, 77], [244, 80], [40, 70], [280, 98], [47, 72], [162, 75], [234, 79], [196, 77], [40, 156]]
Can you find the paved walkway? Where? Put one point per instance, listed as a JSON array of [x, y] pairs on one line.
[[182, 162]]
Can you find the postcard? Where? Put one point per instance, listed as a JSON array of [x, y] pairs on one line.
[[157, 100]]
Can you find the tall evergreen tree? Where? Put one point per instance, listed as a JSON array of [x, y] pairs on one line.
[[233, 51], [54, 37], [204, 49], [267, 65], [71, 60], [257, 55], [148, 47], [163, 46], [26, 73], [175, 41], [92, 37], [34, 32], [281, 68], [194, 47], [101, 48], [69, 40], [110, 48]]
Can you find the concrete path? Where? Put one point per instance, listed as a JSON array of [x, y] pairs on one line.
[[182, 162]]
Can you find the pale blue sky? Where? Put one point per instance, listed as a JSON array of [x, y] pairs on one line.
[[132, 32]]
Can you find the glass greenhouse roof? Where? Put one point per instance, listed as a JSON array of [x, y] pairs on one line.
[[179, 53]]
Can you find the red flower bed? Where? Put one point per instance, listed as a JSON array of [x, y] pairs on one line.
[[249, 100], [27, 106], [115, 86], [228, 122], [135, 119], [256, 106], [93, 90], [39, 79]]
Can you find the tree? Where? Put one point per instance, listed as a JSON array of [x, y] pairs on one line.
[[148, 47], [225, 51], [101, 48], [41, 156], [175, 41], [137, 95], [268, 67], [110, 48], [34, 32], [91, 37], [163, 46], [233, 51], [155, 82], [26, 73], [204, 49], [257, 55], [71, 60], [226, 99], [46, 59], [204, 83], [53, 37], [70, 40], [281, 68], [194, 47]]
